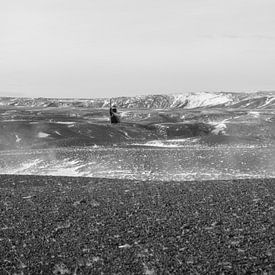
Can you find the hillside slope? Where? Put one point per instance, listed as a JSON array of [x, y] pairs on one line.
[[258, 100]]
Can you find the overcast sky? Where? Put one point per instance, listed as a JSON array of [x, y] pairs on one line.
[[104, 48]]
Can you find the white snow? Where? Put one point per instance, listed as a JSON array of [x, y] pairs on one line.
[[25, 167], [219, 127], [195, 100], [39, 167], [8, 120], [254, 114], [61, 171], [42, 135], [66, 167], [126, 134], [106, 103], [268, 101], [170, 143], [123, 114], [104, 118], [124, 246], [65, 122], [18, 139]]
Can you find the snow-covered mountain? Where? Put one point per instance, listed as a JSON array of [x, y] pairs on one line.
[[257, 100]]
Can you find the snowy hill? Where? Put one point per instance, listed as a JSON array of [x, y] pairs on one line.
[[258, 100]]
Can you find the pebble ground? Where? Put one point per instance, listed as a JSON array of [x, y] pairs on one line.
[[65, 225]]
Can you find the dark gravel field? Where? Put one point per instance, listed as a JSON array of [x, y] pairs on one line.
[[65, 225]]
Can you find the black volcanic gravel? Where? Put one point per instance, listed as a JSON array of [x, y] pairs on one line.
[[65, 225]]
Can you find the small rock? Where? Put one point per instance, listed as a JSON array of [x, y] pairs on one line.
[[125, 246], [148, 271], [27, 197], [61, 269], [96, 259], [235, 243]]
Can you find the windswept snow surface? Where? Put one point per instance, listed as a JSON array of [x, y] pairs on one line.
[[196, 100], [145, 163], [171, 143]]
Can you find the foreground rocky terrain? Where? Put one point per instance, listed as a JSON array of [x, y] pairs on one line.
[[64, 225]]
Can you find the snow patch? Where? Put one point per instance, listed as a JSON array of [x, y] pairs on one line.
[[18, 139], [254, 114], [8, 120], [170, 143], [219, 127], [123, 114], [104, 118], [204, 99], [42, 135], [126, 135], [26, 167], [268, 101]]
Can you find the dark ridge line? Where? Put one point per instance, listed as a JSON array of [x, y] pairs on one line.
[[130, 180]]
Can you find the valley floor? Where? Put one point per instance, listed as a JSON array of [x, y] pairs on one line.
[[66, 225]]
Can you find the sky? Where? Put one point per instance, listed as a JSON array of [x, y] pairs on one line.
[[109, 48]]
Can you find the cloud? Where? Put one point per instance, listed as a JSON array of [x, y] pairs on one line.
[[237, 36], [70, 47]]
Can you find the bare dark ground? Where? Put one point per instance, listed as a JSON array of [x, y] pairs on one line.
[[63, 225]]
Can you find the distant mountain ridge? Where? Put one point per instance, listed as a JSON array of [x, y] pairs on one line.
[[257, 100]]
